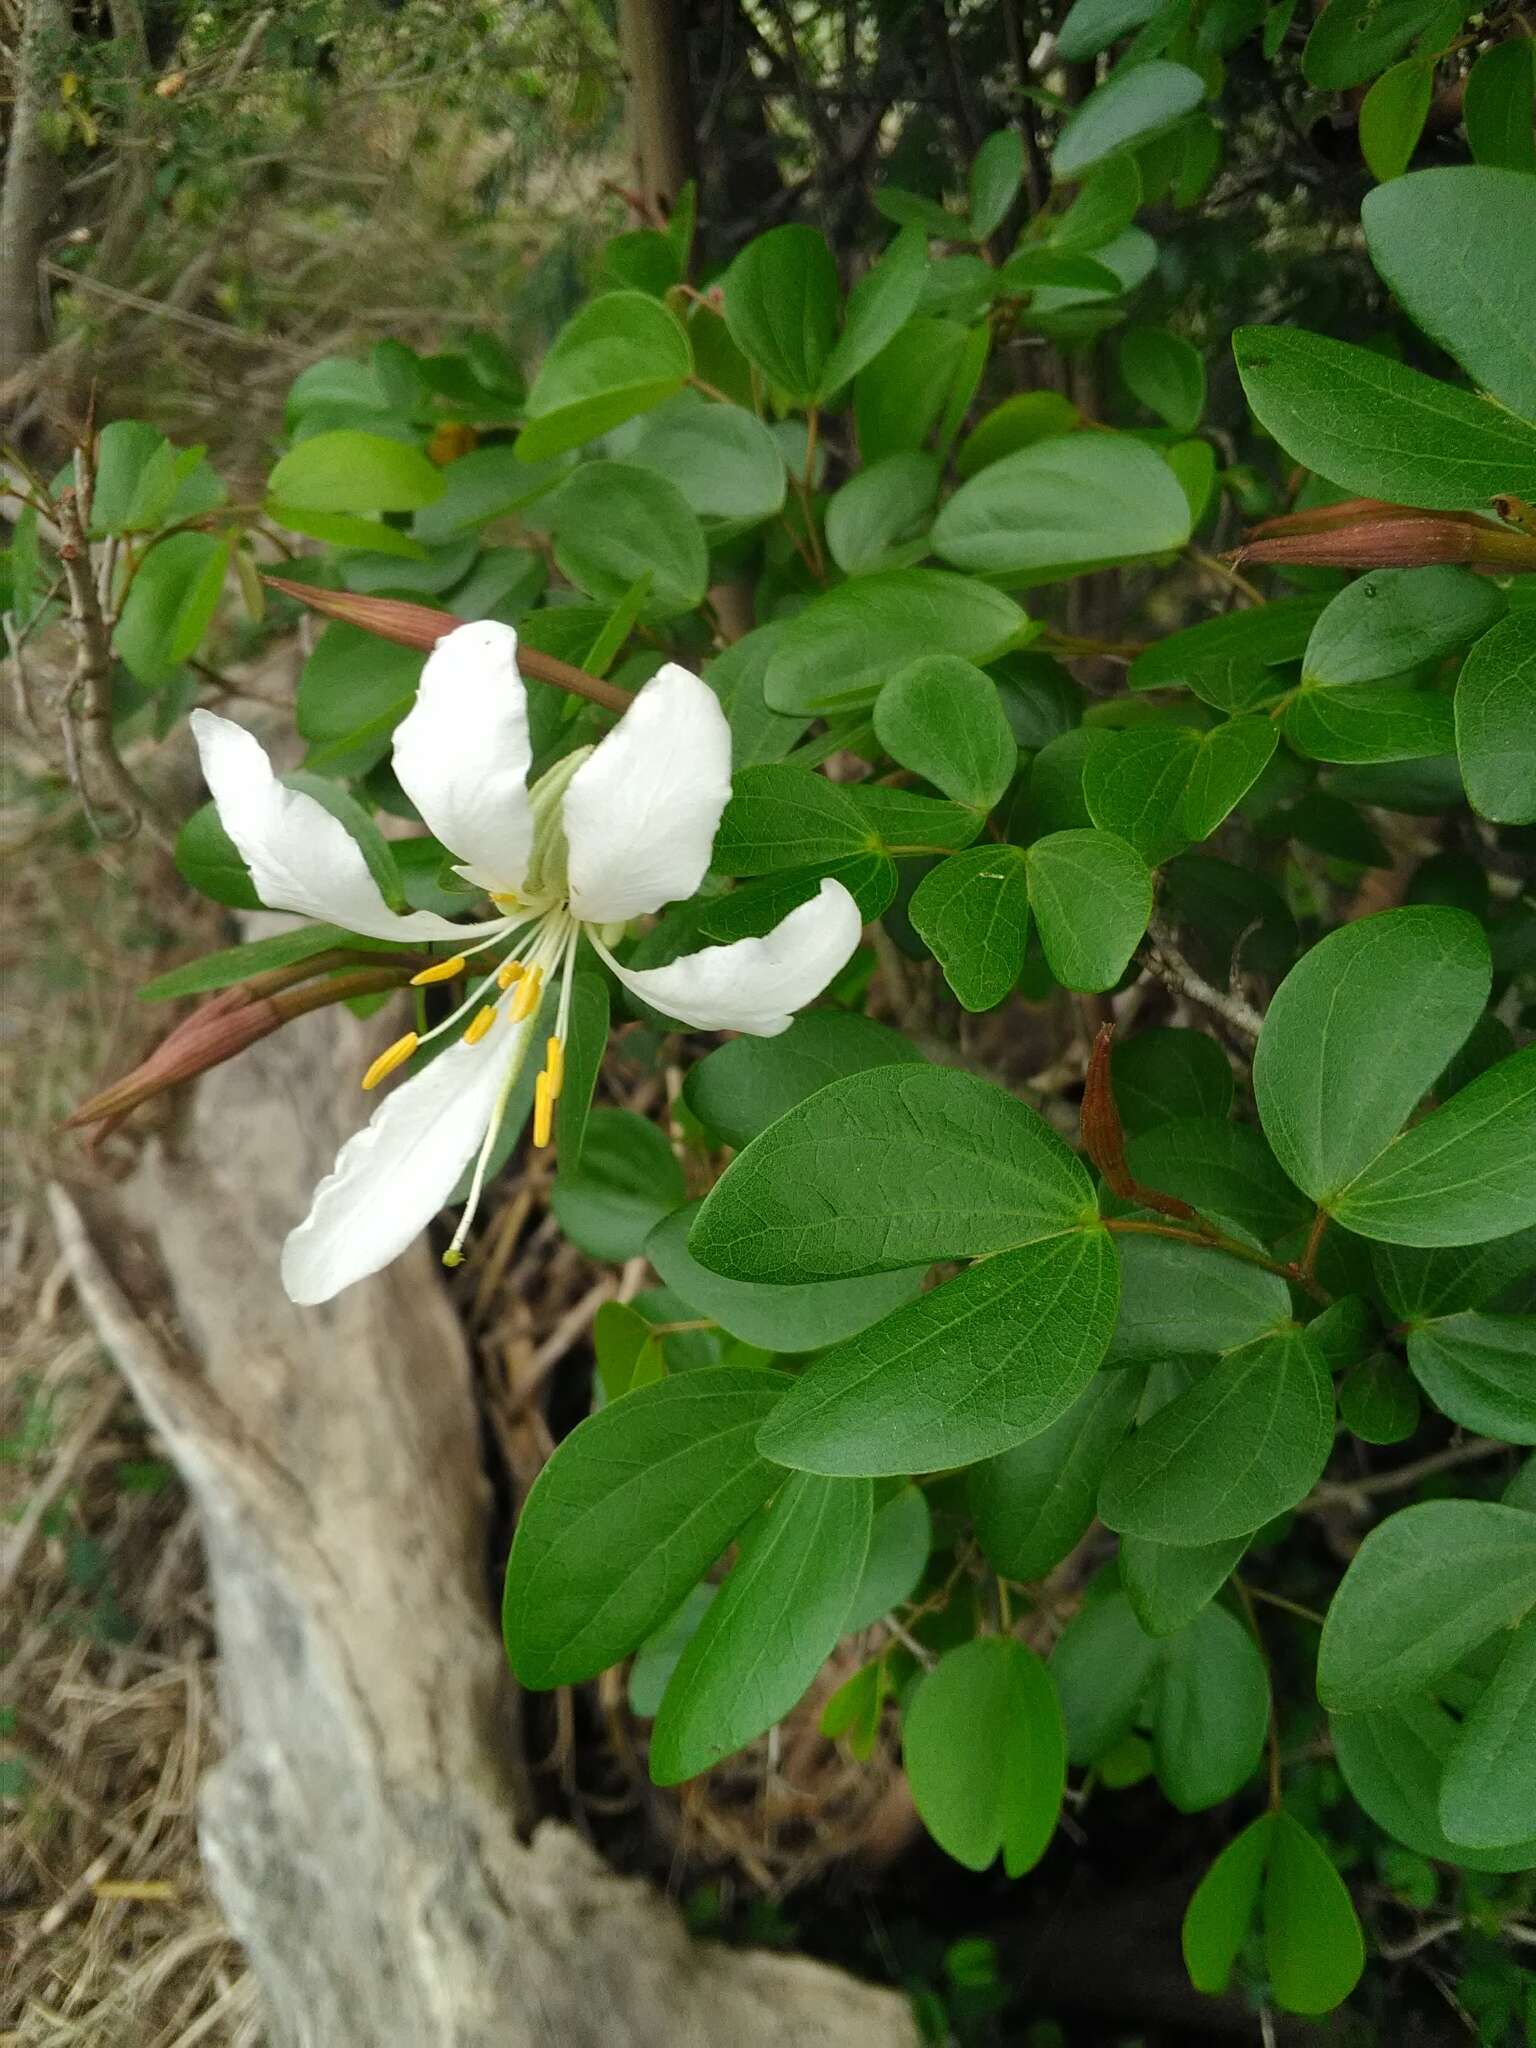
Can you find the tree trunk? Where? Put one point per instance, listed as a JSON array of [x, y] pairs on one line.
[[655, 59], [32, 181], [363, 1834]]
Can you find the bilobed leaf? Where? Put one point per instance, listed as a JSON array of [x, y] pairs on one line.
[[347, 470], [170, 604], [632, 1509], [626, 1354], [982, 1362], [973, 912], [622, 354], [985, 1756], [1378, 1400], [1168, 1584], [879, 306], [486, 484], [1184, 1301], [1210, 1711], [900, 394], [1063, 506], [1138, 102], [1393, 1760], [1312, 1939], [888, 1168], [1103, 209], [1134, 785], [1480, 1370], [879, 519], [1231, 758], [1380, 429], [942, 718], [1222, 1169], [1369, 722], [135, 478], [1458, 247], [1104, 1666], [1357, 1031], [1245, 1443], [1390, 620], [1422, 1284], [1234, 661], [1460, 1176], [785, 817], [1219, 1915], [1392, 116], [1496, 721], [899, 1541], [1163, 1074], [741, 1088], [1091, 895], [1165, 373], [627, 1180], [1488, 1794], [614, 523], [1496, 106], [1426, 1586], [777, 1318], [1034, 1503], [770, 1627], [721, 458], [845, 646]]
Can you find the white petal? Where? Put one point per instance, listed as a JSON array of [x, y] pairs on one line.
[[391, 1179], [641, 814], [754, 984], [300, 857], [462, 753]]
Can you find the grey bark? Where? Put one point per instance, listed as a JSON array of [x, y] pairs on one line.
[[364, 1833], [32, 181], [654, 55]]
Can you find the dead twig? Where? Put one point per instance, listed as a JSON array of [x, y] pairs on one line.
[[1168, 963]]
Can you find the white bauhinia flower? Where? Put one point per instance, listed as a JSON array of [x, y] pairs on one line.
[[610, 833]]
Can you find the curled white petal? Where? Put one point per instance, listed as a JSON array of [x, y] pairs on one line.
[[462, 753], [393, 1176], [300, 857], [754, 984], [641, 814]]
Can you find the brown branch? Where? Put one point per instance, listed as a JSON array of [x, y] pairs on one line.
[[1349, 1493], [1174, 971]]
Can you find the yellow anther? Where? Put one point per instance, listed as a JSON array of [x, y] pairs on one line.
[[554, 1059], [479, 1024], [543, 1109], [508, 972], [453, 1258], [393, 1056], [440, 970], [526, 1001]]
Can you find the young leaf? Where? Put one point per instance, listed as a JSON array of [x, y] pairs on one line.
[[1034, 1503], [627, 1355], [1135, 104], [1247, 1441], [170, 605], [633, 1508], [721, 458], [1480, 1371], [1488, 1794], [1392, 117], [888, 1168], [942, 718], [346, 470], [741, 1088], [1165, 373], [785, 817], [1091, 895], [781, 308], [1134, 785], [1426, 1586], [1060, 507], [973, 912], [982, 1362], [1378, 1401], [1312, 1939], [656, 1658], [1378, 428], [770, 1627], [1234, 661], [845, 646], [985, 1755], [1496, 722], [622, 354], [1219, 1915]]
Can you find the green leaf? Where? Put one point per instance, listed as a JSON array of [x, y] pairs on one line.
[[1169, 1584], [1181, 1300], [899, 1542], [1222, 1169], [1103, 210], [1352, 40], [1033, 1504], [627, 1180], [1461, 1175], [622, 354], [1419, 1285], [614, 523], [1231, 662], [483, 485], [985, 1755], [902, 821], [1091, 896], [657, 1657], [351, 679], [1092, 25], [1218, 1917], [1393, 1761], [839, 652], [1138, 102], [1480, 1370], [1392, 117], [982, 1362], [1134, 784], [1425, 1587], [887, 1168], [1210, 1711], [1496, 722], [776, 1318], [942, 718], [633, 1508], [207, 857], [721, 459], [769, 1629], [1358, 1030], [1488, 1794], [1458, 247], [1380, 429], [1163, 1074], [781, 308], [1104, 1668], [347, 470], [973, 912], [1312, 1940], [1019, 422], [585, 1044], [1394, 619], [135, 478], [1230, 760], [736, 676], [1165, 373], [1369, 722], [1247, 1441], [879, 519], [1496, 106], [627, 1355], [1378, 1401], [170, 605], [741, 1088], [239, 963], [900, 393], [997, 171], [879, 306], [1064, 506], [785, 817], [854, 1710]]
